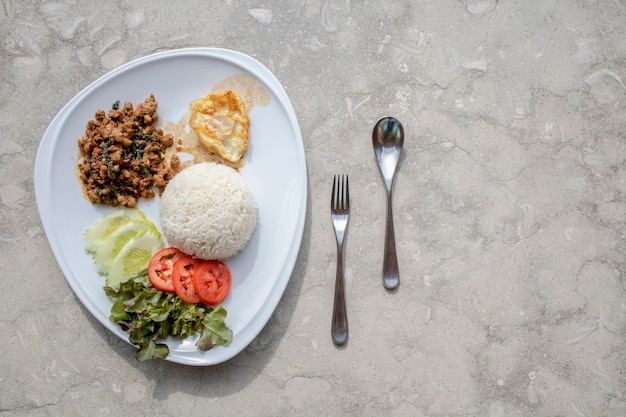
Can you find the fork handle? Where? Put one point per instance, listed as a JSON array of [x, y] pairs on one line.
[[391, 275], [339, 326]]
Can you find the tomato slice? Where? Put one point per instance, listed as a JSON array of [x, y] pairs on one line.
[[161, 266], [212, 282], [182, 278]]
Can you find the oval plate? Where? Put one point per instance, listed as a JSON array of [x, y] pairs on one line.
[[275, 170]]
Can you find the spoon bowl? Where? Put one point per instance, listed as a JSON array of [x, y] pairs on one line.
[[388, 139]]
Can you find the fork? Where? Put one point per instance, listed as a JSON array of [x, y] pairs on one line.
[[339, 213]]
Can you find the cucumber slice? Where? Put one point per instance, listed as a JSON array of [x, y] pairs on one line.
[[134, 257], [96, 235], [113, 245]]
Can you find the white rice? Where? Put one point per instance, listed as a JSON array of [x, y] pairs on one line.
[[208, 211]]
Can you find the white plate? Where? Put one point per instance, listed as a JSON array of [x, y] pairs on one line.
[[275, 170]]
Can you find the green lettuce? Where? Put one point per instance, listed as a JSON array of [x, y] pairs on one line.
[[149, 316]]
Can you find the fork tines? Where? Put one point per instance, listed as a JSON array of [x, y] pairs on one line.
[[341, 193]]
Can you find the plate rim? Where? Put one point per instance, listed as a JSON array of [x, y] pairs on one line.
[[43, 196]]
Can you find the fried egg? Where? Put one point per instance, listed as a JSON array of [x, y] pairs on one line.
[[221, 122]]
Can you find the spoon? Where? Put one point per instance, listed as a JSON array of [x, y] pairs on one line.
[[388, 138]]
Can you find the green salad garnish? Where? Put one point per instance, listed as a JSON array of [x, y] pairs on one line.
[[149, 315]]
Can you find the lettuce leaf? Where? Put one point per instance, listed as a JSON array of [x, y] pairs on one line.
[[214, 330], [149, 316]]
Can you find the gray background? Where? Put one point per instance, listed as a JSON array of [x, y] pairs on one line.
[[510, 204]]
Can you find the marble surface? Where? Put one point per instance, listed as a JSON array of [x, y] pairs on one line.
[[510, 205]]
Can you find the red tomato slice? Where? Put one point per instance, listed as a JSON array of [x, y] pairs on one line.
[[212, 282], [182, 277], [161, 266]]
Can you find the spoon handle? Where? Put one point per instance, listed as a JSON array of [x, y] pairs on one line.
[[391, 275], [339, 326]]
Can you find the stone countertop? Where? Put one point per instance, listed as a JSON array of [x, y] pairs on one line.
[[509, 204]]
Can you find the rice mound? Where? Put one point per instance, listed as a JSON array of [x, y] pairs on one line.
[[208, 211]]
